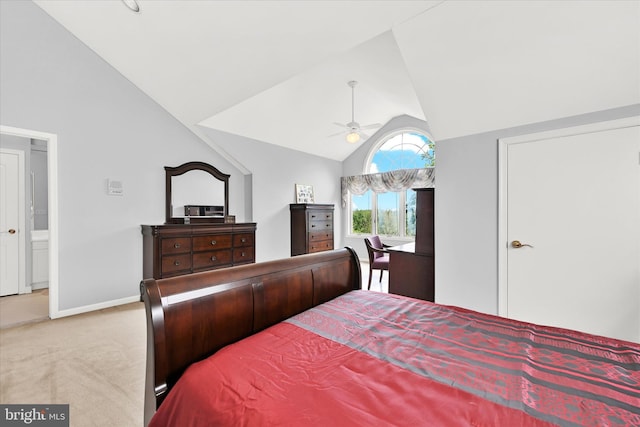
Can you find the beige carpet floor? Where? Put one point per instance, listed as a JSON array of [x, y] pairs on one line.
[[20, 309], [95, 362]]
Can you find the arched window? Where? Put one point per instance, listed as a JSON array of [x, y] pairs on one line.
[[391, 214], [403, 150]]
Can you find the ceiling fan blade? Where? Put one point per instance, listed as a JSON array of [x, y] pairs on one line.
[[363, 135], [341, 125], [371, 126], [336, 134]]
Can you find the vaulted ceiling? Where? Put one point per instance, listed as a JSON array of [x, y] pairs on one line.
[[277, 71]]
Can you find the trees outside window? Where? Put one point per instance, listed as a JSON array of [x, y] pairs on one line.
[[362, 221]]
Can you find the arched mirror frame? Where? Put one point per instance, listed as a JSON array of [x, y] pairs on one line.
[[191, 166]]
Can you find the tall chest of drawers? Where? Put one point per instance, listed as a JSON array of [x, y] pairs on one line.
[[177, 249], [311, 228]]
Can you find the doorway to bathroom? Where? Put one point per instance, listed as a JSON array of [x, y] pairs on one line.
[[29, 271]]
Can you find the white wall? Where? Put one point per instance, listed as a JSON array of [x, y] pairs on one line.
[[106, 128], [275, 171]]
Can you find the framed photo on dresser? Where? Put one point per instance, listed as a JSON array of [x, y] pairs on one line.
[[304, 193]]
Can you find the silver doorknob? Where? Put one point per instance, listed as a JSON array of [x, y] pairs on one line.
[[517, 244], [12, 231]]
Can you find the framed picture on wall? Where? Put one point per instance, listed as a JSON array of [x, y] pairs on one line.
[[304, 193]]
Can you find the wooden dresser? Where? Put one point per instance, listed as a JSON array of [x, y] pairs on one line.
[[176, 249], [412, 265], [311, 228]]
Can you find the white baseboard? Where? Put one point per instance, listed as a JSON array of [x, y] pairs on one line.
[[94, 307]]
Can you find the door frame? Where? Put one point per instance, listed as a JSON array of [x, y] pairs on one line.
[[52, 166], [22, 245], [503, 145]]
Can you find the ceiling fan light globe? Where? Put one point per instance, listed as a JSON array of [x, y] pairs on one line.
[[353, 137]]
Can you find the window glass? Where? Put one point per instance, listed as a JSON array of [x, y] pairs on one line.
[[392, 214], [361, 222], [410, 218], [409, 150], [387, 214]]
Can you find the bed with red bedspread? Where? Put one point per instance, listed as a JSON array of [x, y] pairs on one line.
[[372, 359]]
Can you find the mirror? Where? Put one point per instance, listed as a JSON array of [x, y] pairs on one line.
[[196, 192]]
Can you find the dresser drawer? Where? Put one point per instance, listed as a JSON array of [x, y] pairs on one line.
[[210, 242], [173, 263], [320, 226], [177, 245], [211, 259], [317, 236], [323, 245], [241, 240], [242, 255], [321, 216]]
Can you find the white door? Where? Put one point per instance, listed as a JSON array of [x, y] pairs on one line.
[[574, 197], [11, 222]]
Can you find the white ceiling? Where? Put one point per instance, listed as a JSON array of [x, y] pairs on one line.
[[277, 71]]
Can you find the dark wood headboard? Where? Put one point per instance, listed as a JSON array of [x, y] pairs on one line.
[[191, 317]]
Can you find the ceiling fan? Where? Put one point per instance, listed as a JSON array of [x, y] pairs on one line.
[[353, 130]]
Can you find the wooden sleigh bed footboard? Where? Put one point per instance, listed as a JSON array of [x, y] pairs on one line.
[[191, 317]]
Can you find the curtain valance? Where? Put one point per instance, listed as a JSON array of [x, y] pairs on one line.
[[397, 180]]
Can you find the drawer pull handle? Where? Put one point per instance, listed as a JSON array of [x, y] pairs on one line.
[[243, 254], [313, 216], [213, 258], [177, 245], [213, 243], [243, 240], [176, 263], [313, 225]]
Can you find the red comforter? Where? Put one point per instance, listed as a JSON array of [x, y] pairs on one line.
[[372, 359]]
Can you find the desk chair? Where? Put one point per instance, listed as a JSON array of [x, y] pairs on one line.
[[378, 257]]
